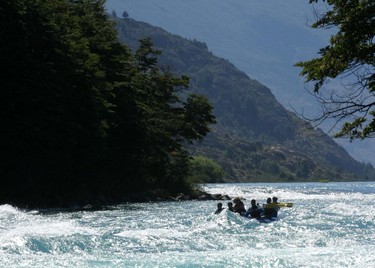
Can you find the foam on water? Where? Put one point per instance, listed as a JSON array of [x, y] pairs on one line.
[[330, 225]]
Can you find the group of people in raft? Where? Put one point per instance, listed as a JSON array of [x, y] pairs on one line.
[[268, 210]]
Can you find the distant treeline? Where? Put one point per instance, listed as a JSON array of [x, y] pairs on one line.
[[84, 118]]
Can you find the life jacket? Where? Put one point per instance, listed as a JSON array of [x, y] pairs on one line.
[[255, 212]]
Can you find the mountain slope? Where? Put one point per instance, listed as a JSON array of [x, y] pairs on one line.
[[262, 38], [255, 138]]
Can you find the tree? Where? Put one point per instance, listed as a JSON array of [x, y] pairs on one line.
[[267, 165], [349, 57], [125, 14], [167, 120], [55, 96], [81, 115], [205, 170]]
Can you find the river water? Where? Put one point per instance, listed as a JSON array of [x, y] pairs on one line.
[[330, 225]]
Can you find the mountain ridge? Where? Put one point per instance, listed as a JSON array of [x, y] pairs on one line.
[[263, 39], [256, 138]]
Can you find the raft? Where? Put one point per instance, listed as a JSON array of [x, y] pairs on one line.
[[265, 217]]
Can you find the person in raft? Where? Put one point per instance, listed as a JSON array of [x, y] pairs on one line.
[[219, 208], [254, 211], [271, 209], [230, 206], [239, 206], [268, 211], [275, 209]]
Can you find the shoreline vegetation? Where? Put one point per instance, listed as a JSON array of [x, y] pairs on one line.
[[102, 201]]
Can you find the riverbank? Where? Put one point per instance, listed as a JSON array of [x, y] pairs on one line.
[[100, 201]]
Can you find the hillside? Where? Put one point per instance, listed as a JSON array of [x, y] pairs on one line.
[[256, 138], [264, 39]]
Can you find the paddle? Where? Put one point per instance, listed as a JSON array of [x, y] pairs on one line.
[[288, 205], [282, 204]]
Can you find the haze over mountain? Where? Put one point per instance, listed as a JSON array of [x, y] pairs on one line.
[[262, 38]]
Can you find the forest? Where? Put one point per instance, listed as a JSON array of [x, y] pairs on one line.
[[85, 118]]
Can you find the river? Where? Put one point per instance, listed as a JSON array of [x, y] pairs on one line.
[[329, 225]]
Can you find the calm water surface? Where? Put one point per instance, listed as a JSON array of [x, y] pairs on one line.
[[330, 225]]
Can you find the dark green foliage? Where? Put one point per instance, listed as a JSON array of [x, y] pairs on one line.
[[205, 170], [269, 166], [54, 95], [197, 112], [82, 116], [303, 169], [350, 54]]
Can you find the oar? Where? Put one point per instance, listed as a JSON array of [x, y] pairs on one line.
[[282, 204], [288, 205]]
